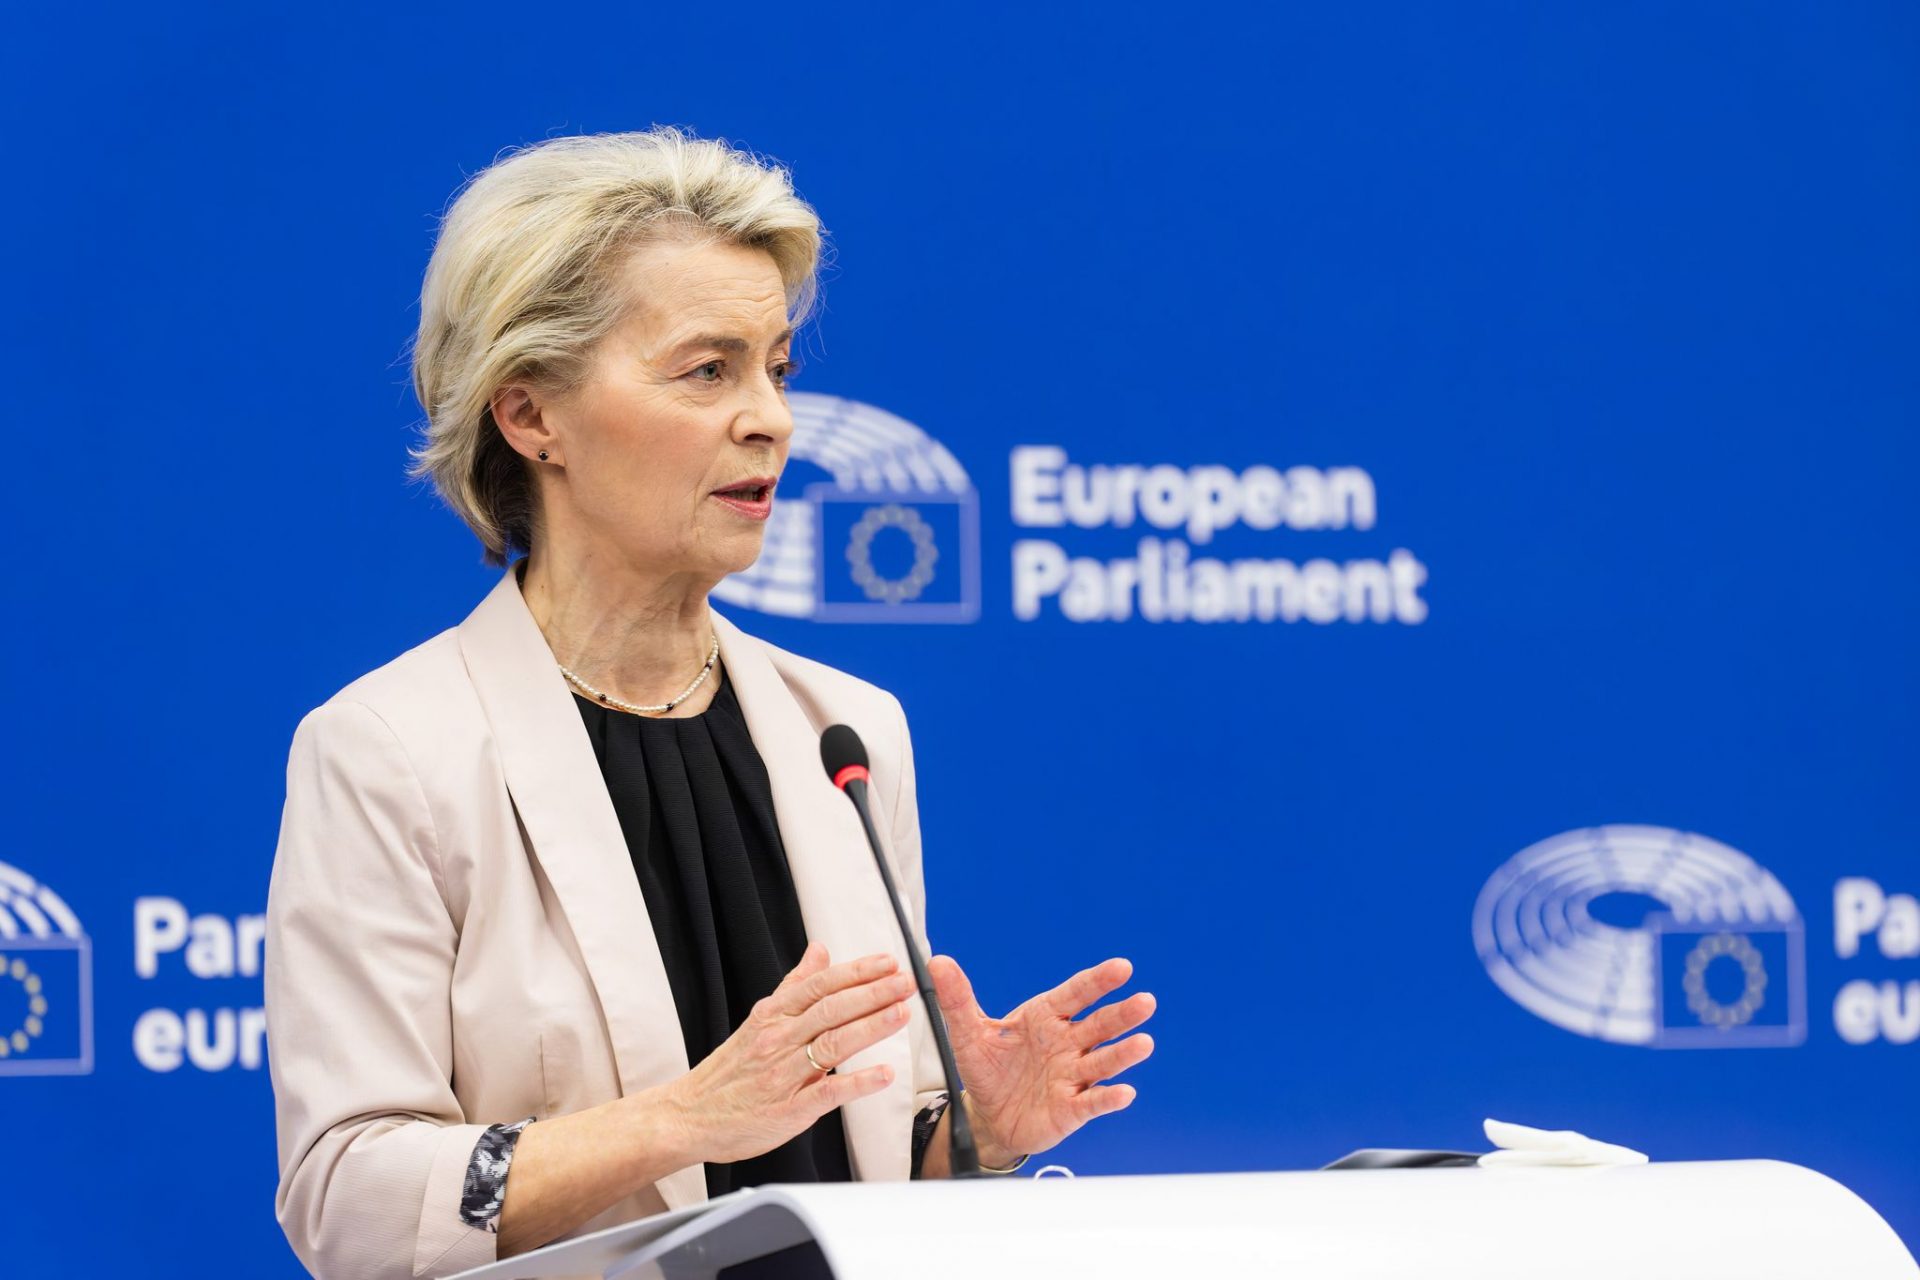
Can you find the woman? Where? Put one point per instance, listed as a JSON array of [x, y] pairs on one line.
[[567, 926]]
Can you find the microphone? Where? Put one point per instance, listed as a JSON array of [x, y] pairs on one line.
[[845, 757]]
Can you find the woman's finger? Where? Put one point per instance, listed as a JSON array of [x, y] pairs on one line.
[[796, 997], [849, 1003], [1102, 1100], [834, 1046], [838, 1090], [950, 987], [1104, 1064], [1086, 986], [1115, 1019]]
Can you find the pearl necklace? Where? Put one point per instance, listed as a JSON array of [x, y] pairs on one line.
[[712, 654]]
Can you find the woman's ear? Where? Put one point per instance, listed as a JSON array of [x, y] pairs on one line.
[[519, 413]]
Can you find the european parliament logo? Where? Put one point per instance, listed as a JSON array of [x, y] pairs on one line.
[[46, 981], [1648, 936], [894, 536]]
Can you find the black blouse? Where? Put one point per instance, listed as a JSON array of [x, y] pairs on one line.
[[696, 807]]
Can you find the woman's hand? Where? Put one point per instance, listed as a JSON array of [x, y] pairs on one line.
[[1033, 1077], [757, 1089]]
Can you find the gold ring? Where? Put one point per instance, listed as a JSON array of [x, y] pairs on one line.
[[815, 1061]]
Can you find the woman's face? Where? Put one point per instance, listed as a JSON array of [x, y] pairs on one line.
[[685, 398]]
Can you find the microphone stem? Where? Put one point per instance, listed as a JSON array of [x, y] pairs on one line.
[[963, 1161]]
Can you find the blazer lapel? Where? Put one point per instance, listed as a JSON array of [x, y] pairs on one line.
[[562, 800], [841, 897]]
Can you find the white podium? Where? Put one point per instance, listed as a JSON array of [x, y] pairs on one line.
[[1721, 1220]]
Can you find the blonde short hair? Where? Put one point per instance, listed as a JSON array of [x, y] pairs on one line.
[[524, 283]]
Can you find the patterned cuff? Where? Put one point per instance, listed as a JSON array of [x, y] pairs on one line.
[[923, 1127], [485, 1189]]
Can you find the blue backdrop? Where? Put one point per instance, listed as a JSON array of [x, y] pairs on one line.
[[1591, 332]]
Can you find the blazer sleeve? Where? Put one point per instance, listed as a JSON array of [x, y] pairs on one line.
[[360, 947], [929, 1083]]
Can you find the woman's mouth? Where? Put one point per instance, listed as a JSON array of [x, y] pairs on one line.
[[753, 500]]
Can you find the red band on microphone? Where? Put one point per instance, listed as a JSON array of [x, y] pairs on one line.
[[849, 773]]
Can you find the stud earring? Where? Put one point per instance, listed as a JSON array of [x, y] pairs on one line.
[[543, 455]]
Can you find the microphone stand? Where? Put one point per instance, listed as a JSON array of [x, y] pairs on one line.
[[963, 1160]]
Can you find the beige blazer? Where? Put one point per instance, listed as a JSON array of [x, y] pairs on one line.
[[456, 937]]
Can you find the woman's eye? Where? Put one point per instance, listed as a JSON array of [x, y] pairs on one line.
[[784, 372], [701, 372]]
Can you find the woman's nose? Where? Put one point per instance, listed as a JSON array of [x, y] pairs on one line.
[[766, 416]]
